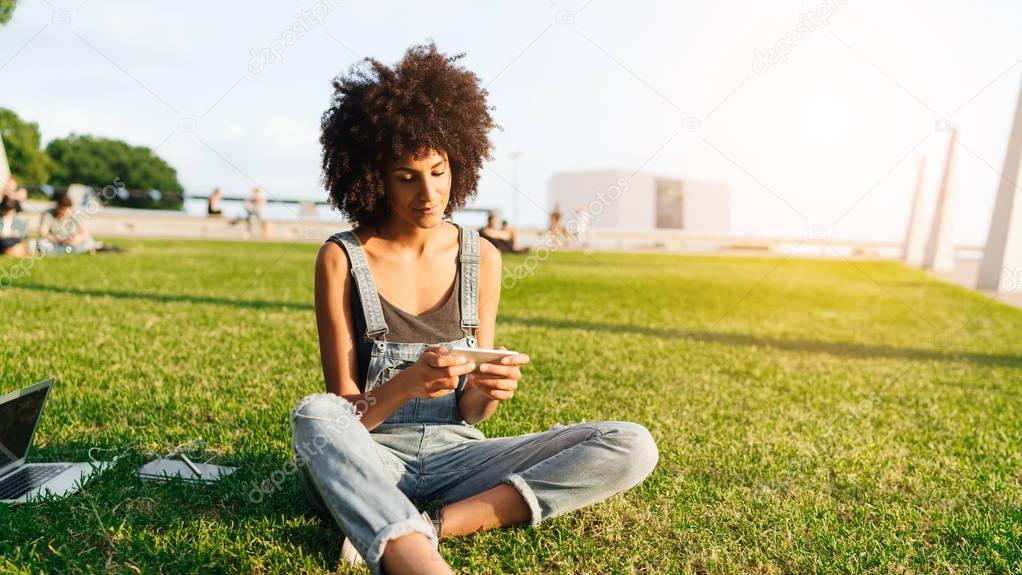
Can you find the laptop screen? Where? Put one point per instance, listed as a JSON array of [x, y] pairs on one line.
[[17, 424]]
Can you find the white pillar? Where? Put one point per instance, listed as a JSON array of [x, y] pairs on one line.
[[915, 238], [1003, 252], [940, 250], [5, 169]]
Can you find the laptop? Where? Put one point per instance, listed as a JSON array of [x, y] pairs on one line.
[[19, 481]]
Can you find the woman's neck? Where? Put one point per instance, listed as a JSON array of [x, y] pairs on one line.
[[411, 238]]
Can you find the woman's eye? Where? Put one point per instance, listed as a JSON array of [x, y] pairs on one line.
[[411, 179]]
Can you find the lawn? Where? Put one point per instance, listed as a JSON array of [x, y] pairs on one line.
[[813, 416]]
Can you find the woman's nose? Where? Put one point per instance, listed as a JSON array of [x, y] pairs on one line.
[[429, 192]]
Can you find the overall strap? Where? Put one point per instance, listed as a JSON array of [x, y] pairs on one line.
[[376, 327], [468, 255]]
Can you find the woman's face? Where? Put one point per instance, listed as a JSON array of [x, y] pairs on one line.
[[418, 190]]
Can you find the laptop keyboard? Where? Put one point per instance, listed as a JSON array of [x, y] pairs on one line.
[[26, 479]]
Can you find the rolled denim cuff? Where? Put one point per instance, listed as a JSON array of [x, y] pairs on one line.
[[374, 558], [335, 399], [516, 481]]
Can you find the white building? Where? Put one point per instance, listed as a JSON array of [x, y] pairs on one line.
[[620, 200]]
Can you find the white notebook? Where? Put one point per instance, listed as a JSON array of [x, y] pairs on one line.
[[164, 469]]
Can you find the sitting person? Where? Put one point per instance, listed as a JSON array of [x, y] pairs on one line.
[[13, 231], [502, 238], [512, 235], [10, 188], [396, 425], [61, 231], [213, 208]]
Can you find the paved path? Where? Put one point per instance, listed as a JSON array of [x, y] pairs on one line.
[[965, 275]]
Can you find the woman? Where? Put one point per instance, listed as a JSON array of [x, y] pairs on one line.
[[61, 231], [402, 149], [13, 231]]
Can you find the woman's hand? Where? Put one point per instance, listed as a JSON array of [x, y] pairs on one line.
[[499, 380], [435, 373]]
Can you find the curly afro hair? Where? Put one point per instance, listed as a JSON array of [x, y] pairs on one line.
[[378, 115]]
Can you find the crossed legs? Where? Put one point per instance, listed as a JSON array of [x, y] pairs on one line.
[[489, 482]]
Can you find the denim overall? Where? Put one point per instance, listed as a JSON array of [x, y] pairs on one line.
[[387, 358], [425, 451]]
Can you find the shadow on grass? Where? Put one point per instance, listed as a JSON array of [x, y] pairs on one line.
[[853, 350], [164, 298]]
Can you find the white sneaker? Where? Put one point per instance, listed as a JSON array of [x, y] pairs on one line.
[[351, 556]]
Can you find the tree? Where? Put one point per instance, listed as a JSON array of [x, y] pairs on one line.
[[7, 10], [21, 139], [100, 162]]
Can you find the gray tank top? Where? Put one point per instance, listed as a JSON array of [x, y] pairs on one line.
[[443, 324]]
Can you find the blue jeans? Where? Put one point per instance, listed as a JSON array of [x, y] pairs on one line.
[[424, 451], [368, 481]]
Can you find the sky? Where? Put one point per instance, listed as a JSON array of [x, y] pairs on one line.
[[815, 114]]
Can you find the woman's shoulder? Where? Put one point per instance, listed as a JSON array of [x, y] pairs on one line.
[[332, 258]]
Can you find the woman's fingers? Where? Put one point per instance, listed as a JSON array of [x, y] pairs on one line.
[[501, 384], [455, 370], [517, 359], [501, 395], [446, 360], [497, 369], [437, 350], [443, 383]]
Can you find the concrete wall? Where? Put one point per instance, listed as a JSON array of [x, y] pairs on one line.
[[595, 191], [636, 206], [705, 206]]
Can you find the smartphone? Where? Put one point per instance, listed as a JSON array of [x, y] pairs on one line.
[[480, 355]]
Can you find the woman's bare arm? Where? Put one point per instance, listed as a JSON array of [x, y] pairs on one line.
[[337, 342]]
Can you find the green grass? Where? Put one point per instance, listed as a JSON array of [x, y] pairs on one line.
[[812, 416]]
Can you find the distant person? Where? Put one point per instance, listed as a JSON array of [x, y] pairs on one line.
[[9, 187], [13, 231], [213, 208], [14, 191], [503, 238], [583, 223], [555, 221], [21, 195], [255, 205], [254, 208], [511, 235], [61, 231], [497, 237]]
